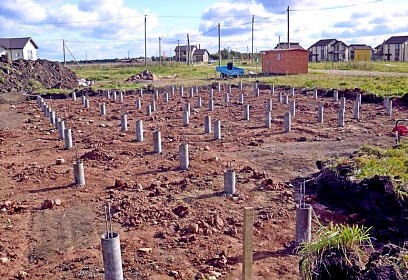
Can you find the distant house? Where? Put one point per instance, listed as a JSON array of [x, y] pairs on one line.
[[201, 55], [285, 61], [181, 53], [19, 48], [378, 52], [328, 50], [395, 49], [281, 46], [360, 52]]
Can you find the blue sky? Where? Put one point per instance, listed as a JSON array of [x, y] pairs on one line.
[[99, 29]]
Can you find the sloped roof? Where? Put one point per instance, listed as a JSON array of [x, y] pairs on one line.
[[396, 40], [200, 52], [292, 46], [323, 42], [16, 43], [184, 48], [361, 47], [286, 50]]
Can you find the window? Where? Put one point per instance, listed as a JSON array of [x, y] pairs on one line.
[[343, 47], [17, 54], [278, 57], [29, 54], [397, 46], [322, 48]]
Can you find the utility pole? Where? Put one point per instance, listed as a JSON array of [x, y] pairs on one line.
[[228, 53], [178, 46], [288, 30], [145, 41], [188, 50], [159, 50], [253, 20], [63, 51], [219, 44]]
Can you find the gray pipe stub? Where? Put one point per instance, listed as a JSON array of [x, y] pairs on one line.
[[79, 176], [112, 259], [303, 223]]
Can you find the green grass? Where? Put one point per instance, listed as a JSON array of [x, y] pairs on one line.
[[392, 162], [381, 85], [349, 240], [375, 66], [114, 76], [2, 80]]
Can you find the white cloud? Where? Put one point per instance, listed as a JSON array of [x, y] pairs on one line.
[[111, 28], [22, 10]]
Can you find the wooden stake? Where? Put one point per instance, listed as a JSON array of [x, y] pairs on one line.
[[248, 240]]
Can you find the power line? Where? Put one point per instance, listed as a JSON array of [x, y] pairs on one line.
[[337, 7]]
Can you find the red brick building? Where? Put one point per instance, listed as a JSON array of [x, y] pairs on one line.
[[285, 62]]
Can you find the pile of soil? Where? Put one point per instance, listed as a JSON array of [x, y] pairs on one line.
[[28, 75], [372, 202], [145, 75]]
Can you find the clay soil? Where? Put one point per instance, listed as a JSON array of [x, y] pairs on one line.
[[154, 204]]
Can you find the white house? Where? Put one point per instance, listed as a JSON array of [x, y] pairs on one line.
[[16, 48]]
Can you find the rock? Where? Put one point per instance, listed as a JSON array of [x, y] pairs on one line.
[[192, 228], [57, 202], [173, 273], [215, 273], [144, 250], [207, 148], [22, 275], [199, 276], [354, 217], [139, 187], [218, 221], [102, 125], [60, 161], [4, 260], [47, 204]]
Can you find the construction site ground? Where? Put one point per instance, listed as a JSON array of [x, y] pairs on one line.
[[192, 229]]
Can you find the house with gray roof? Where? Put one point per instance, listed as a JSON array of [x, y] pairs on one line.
[[201, 55], [328, 50], [395, 49], [19, 48]]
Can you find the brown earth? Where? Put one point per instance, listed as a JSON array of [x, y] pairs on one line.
[[154, 204], [27, 76]]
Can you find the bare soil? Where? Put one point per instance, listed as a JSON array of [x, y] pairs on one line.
[[154, 204]]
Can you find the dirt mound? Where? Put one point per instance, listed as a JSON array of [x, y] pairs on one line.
[[96, 155], [145, 75], [28, 75]]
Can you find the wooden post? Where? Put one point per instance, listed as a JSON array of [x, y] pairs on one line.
[[248, 240]]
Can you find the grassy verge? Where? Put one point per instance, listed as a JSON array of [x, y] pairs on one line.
[[381, 66]]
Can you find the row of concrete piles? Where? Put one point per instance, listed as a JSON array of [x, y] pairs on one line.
[[64, 134], [110, 240]]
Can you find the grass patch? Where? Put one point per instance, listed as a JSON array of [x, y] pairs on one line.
[[392, 162], [110, 76], [34, 85], [375, 66], [344, 242], [2, 80]]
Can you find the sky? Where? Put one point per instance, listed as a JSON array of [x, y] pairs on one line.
[[100, 29]]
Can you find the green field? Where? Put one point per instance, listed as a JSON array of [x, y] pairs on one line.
[[374, 66], [371, 80]]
